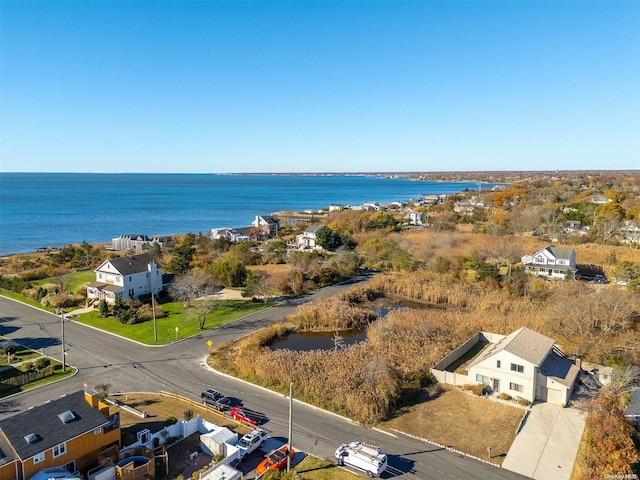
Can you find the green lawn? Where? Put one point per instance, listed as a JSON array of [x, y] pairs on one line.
[[25, 354], [21, 298], [71, 280], [22, 354], [227, 311]]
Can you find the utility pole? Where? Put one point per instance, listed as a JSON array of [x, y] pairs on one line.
[[290, 426], [153, 307], [64, 366]]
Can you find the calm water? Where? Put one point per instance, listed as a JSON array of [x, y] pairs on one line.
[[55, 209]]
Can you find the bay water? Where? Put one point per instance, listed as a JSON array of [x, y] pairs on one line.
[[54, 209]]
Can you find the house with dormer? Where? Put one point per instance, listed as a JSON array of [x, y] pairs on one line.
[[126, 277], [552, 262], [74, 432], [524, 364]]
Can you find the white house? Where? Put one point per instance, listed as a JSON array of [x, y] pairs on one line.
[[268, 225], [552, 262], [126, 277], [138, 241], [415, 217], [235, 235], [308, 238], [525, 364]]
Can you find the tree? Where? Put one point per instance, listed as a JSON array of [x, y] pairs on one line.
[[182, 256], [628, 272], [194, 284], [201, 309], [103, 308], [259, 285], [324, 236], [230, 272]]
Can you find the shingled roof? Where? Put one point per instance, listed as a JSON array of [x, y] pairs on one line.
[[130, 264], [43, 424], [524, 343]]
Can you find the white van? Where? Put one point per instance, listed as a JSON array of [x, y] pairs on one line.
[[362, 456]]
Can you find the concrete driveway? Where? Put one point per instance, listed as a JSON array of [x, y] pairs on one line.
[[546, 447]]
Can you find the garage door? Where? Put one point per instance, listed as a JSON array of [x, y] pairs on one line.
[[554, 396]]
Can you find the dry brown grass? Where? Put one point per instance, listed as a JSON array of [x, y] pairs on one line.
[[464, 422]]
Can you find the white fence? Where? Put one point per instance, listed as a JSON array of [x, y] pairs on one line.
[[453, 378]]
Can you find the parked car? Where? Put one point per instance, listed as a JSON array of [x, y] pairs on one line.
[[251, 441], [276, 460], [216, 400], [249, 416]]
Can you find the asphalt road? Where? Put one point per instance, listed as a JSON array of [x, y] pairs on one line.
[[180, 367]]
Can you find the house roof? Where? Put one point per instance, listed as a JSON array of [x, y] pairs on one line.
[[524, 343], [130, 264], [136, 236], [313, 229], [634, 406], [560, 369], [47, 428], [7, 453], [560, 252]]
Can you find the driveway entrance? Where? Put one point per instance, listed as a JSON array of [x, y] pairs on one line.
[[546, 447]]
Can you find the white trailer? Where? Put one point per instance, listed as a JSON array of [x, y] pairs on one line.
[[362, 456]]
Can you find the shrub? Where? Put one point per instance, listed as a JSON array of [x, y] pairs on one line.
[[25, 367], [524, 402], [477, 389], [466, 386], [170, 421], [505, 396], [42, 362]]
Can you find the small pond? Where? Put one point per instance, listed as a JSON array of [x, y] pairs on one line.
[[305, 341]]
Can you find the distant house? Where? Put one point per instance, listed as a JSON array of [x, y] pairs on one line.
[[126, 277], [369, 206], [630, 232], [524, 364], [234, 235], [137, 241], [632, 411], [552, 262], [415, 217], [267, 224], [74, 432], [572, 226], [308, 239]]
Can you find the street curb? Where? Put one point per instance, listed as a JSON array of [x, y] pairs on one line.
[[459, 452]]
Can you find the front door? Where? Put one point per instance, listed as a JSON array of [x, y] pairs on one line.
[[496, 384]]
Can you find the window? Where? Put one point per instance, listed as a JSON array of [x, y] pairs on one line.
[[38, 458], [482, 379], [517, 368], [516, 388], [497, 363], [59, 450]]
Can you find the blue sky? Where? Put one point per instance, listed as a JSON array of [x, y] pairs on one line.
[[319, 86]]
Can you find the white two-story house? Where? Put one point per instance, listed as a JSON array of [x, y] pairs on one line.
[[308, 239], [126, 277], [525, 364], [552, 262]]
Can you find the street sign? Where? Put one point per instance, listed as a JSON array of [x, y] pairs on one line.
[[209, 342]]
